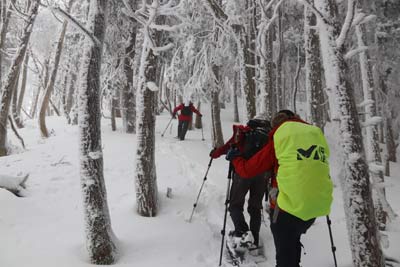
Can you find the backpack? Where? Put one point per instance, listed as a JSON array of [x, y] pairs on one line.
[[254, 140], [187, 111]]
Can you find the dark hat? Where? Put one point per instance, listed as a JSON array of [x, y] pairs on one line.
[[287, 112], [259, 121], [282, 116]]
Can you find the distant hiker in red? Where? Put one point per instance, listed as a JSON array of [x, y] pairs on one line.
[[247, 140], [298, 154], [186, 111]]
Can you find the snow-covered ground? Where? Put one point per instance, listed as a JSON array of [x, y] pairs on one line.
[[46, 228]]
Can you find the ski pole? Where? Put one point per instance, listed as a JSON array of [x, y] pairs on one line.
[[201, 188], [162, 135], [226, 210], [329, 222], [202, 133]]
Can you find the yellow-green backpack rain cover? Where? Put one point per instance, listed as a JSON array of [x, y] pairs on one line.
[[305, 187]]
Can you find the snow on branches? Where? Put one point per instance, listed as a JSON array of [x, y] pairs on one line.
[[147, 15], [372, 121], [77, 24]]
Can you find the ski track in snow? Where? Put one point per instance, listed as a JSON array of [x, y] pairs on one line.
[[191, 172]]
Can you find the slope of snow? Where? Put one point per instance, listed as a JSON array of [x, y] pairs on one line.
[[46, 228]]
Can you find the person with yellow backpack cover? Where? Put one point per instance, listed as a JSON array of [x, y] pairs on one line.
[[298, 154]]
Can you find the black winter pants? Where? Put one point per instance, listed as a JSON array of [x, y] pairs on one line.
[[256, 186], [182, 129], [286, 232]]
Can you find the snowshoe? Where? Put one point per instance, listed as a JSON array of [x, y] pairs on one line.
[[238, 249]]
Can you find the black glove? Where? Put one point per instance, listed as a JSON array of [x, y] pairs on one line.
[[174, 115], [232, 153], [212, 152]]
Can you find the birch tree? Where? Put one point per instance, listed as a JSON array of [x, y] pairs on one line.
[[100, 239], [359, 209], [12, 76]]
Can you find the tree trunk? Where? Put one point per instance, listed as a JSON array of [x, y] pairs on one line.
[[128, 94], [390, 143], [14, 112], [70, 96], [146, 177], [99, 235], [65, 85], [42, 76], [267, 81], [114, 106], [296, 80], [314, 92], [371, 139], [23, 84], [197, 123], [52, 79], [246, 73], [389, 137], [217, 136], [250, 56], [6, 13], [161, 84], [279, 79], [359, 209], [235, 98], [12, 76]]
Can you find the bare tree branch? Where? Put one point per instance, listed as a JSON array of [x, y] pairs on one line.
[[77, 24], [266, 25], [266, 8], [15, 131], [315, 11], [351, 6], [12, 4], [217, 10]]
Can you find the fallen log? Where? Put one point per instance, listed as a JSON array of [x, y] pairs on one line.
[[14, 184]]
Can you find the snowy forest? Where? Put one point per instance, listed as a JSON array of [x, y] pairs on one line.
[[91, 171]]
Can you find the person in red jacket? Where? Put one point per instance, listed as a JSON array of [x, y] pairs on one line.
[[286, 228], [248, 139], [186, 112]]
